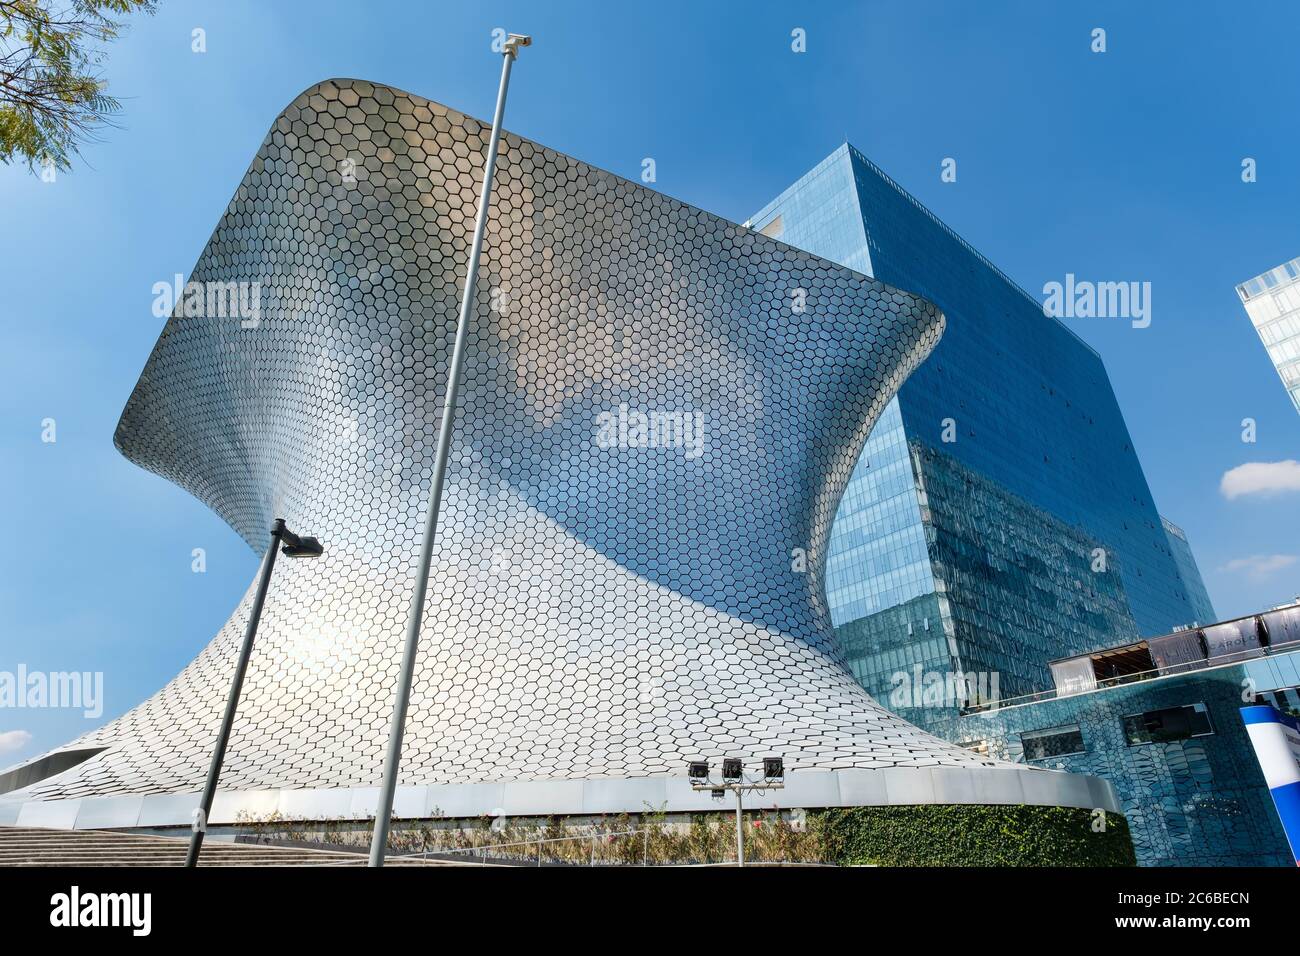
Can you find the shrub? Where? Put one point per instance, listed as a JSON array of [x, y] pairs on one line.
[[972, 835], [887, 836]]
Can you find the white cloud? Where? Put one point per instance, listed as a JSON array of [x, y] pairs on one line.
[[1261, 478], [11, 740], [1258, 565]]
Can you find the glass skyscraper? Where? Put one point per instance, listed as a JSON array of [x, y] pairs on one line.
[[998, 517], [1191, 574], [1272, 301], [999, 520]]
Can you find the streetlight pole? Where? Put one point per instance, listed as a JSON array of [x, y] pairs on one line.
[[733, 779], [296, 547], [740, 833], [388, 786]]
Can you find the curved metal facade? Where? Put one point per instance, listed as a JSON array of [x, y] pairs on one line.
[[661, 411]]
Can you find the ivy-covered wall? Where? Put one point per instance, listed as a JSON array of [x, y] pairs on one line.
[[887, 836], [973, 836]]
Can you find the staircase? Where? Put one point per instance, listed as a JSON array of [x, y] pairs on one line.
[[31, 846]]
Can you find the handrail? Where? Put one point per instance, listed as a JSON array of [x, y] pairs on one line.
[[1176, 670], [539, 842], [563, 839]]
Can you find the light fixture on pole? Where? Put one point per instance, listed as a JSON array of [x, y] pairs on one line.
[[393, 756], [733, 779], [292, 546]]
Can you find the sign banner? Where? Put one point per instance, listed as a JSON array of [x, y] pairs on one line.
[[1176, 652], [1073, 676], [1276, 739], [1235, 639], [1283, 625]]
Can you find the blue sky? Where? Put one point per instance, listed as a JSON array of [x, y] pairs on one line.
[[1117, 166]]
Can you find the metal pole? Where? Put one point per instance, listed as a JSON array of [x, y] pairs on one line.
[[740, 834], [388, 786], [232, 701]]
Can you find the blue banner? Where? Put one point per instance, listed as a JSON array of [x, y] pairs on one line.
[[1276, 739]]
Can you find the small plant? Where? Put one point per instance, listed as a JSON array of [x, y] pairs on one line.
[[897, 836]]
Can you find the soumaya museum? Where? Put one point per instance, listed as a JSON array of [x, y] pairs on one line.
[[596, 523], [612, 597]]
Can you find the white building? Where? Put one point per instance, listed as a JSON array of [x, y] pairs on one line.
[[1272, 301]]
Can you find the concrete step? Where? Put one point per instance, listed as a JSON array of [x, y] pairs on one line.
[[31, 846]]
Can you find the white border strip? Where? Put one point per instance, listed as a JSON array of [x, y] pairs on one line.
[[803, 788]]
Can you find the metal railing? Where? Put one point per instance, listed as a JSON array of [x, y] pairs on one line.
[[1176, 670], [483, 851]]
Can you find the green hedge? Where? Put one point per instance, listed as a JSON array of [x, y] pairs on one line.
[[972, 835]]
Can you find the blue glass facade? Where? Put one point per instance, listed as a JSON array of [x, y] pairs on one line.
[[878, 557], [999, 519], [1199, 801], [1008, 393], [1197, 596]]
